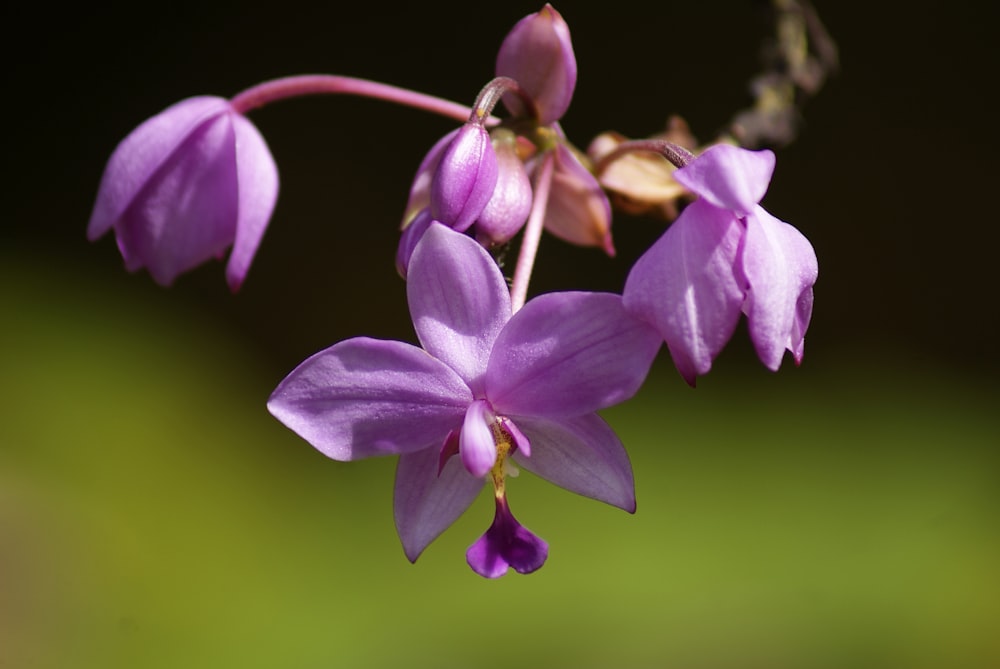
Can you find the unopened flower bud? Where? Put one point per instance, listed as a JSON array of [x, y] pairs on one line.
[[538, 54], [465, 178], [508, 209]]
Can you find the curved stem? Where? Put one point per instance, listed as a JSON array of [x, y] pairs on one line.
[[532, 233], [317, 84], [676, 154], [490, 95]]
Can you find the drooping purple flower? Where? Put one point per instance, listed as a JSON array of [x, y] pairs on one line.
[[538, 54], [723, 256], [186, 185], [486, 386]]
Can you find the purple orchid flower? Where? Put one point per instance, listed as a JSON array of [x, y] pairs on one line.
[[723, 256], [487, 386], [186, 185]]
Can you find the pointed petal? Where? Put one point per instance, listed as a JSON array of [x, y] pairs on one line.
[[567, 354], [257, 180], [365, 397], [458, 300], [186, 212], [506, 543], [729, 177], [142, 153], [538, 54], [425, 502], [780, 267], [578, 210], [582, 455], [476, 444], [686, 287]]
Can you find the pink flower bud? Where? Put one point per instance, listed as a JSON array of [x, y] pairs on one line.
[[538, 54], [507, 211], [465, 178]]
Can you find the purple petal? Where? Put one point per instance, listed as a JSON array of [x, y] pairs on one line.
[[186, 212], [420, 190], [506, 544], [538, 54], [780, 267], [364, 397], [426, 502], [410, 237], [729, 177], [578, 209], [567, 354], [458, 300], [685, 285], [141, 154], [476, 443], [582, 455], [257, 178], [465, 178], [507, 211]]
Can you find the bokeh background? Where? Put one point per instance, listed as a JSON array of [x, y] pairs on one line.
[[840, 514]]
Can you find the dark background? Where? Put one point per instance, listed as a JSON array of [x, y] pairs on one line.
[[841, 514], [892, 177]]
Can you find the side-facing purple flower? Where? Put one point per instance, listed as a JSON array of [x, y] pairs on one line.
[[486, 386], [726, 255], [186, 185], [538, 54]]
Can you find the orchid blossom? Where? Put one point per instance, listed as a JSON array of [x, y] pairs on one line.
[[487, 387]]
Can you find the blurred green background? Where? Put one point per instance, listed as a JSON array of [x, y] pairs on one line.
[[842, 514]]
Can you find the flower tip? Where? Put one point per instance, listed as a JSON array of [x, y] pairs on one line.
[[234, 281], [608, 245], [538, 54]]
